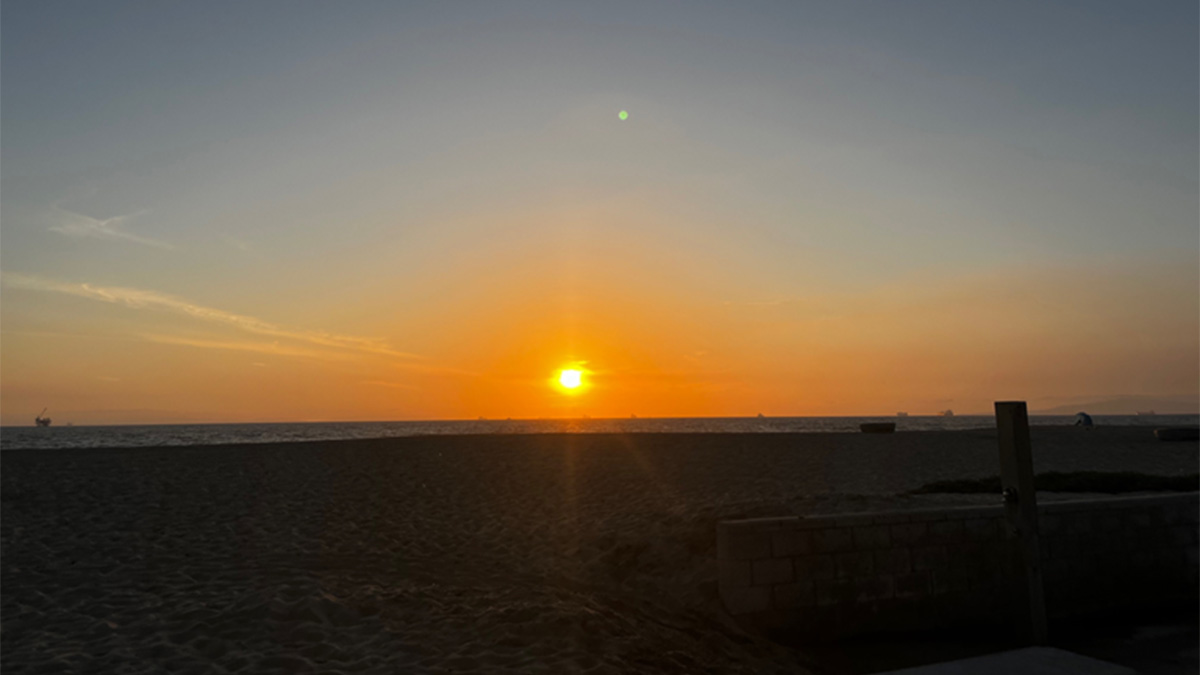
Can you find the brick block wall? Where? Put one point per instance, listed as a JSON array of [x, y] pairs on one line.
[[830, 576], [1100, 555]]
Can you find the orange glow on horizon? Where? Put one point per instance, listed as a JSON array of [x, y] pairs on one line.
[[642, 347]]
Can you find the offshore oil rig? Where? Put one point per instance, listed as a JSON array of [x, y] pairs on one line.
[[41, 420]]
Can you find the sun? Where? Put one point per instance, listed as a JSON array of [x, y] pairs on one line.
[[570, 378]]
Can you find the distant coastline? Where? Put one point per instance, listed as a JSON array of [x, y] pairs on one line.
[[1130, 405]]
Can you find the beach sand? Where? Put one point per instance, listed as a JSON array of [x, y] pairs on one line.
[[543, 554]]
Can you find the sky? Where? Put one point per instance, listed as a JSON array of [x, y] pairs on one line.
[[303, 211]]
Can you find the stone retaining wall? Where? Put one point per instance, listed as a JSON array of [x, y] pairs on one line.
[[830, 576]]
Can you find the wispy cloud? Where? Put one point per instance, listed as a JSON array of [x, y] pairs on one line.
[[274, 348], [143, 299], [75, 224]]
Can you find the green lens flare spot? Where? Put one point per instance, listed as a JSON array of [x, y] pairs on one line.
[[623, 115]]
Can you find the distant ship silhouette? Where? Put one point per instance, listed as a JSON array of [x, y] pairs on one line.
[[947, 413]]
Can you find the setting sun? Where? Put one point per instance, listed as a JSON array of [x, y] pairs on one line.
[[570, 378]]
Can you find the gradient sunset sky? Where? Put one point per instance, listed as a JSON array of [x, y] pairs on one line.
[[278, 211]]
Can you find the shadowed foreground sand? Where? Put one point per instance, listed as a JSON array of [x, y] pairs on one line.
[[551, 554]]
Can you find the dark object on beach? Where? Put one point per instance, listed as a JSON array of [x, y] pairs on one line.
[[1083, 420], [1177, 433], [877, 427], [1075, 481]]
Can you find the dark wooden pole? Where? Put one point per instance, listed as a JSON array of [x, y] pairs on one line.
[[1020, 509]]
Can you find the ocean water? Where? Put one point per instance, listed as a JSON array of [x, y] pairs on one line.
[[59, 437]]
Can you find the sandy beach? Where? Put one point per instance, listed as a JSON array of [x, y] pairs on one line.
[[540, 554]]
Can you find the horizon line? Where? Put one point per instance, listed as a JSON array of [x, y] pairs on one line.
[[1034, 413]]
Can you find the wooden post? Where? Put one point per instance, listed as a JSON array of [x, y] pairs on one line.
[[1020, 509]]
